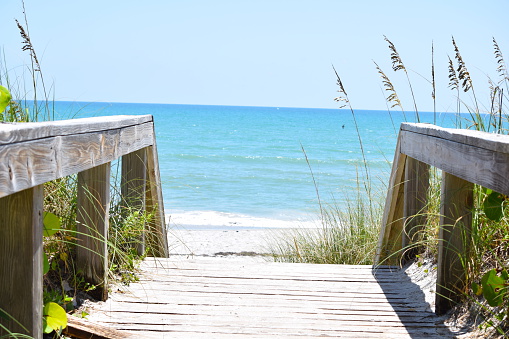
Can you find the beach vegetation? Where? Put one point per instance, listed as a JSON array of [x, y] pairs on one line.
[[353, 227]]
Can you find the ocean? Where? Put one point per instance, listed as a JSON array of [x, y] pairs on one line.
[[250, 162]]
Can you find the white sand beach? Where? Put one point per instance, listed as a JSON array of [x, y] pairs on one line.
[[208, 233]]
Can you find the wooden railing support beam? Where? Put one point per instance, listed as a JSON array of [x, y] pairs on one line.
[[133, 185], [157, 233], [454, 240], [416, 193], [92, 227], [21, 260], [390, 240]]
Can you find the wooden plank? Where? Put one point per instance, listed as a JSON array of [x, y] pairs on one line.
[[454, 240], [157, 232], [180, 302], [83, 329], [416, 193], [297, 332], [390, 240], [133, 185], [92, 227], [476, 164], [28, 164], [21, 132], [489, 141], [21, 260]]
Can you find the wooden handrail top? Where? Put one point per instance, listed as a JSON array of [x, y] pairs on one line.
[[478, 157], [488, 141], [34, 153], [26, 131]]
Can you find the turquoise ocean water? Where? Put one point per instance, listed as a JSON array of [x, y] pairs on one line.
[[249, 160]]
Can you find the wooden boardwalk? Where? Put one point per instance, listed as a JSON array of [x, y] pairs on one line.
[[211, 297]]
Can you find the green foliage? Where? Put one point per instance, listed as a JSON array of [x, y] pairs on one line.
[[51, 224], [493, 205], [5, 98], [493, 287], [54, 317]]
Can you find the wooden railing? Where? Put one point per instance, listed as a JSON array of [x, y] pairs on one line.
[[32, 154], [465, 157]]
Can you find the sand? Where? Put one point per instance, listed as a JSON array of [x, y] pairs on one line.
[[208, 233]]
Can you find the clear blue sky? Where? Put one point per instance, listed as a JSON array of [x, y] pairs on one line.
[[251, 52]]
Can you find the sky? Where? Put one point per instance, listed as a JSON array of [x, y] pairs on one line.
[[252, 52]]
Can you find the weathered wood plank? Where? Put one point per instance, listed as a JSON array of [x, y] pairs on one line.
[[31, 163], [11, 133], [416, 193], [133, 185], [157, 232], [21, 260], [391, 232], [180, 302], [473, 163], [92, 227], [83, 329], [454, 240], [485, 140]]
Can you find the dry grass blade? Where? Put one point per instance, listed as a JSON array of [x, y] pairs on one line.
[[501, 68], [463, 74], [397, 63], [27, 46], [343, 97], [393, 96], [453, 77]]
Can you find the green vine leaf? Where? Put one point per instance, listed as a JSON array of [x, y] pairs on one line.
[[51, 224], [493, 206], [45, 264], [476, 288], [493, 288], [5, 98], [54, 317]]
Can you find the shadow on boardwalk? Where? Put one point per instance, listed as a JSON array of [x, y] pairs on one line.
[[239, 297], [408, 301]]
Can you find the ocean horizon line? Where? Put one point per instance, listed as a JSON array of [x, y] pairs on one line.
[[246, 106]]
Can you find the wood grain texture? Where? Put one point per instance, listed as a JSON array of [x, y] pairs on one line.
[[415, 201], [83, 329], [455, 239], [157, 235], [390, 240], [487, 141], [472, 162], [92, 227], [22, 132], [28, 164], [21, 260], [216, 297], [133, 185]]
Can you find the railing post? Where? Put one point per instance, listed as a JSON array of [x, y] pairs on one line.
[[21, 260], [389, 242], [133, 186], [416, 191], [454, 240], [157, 235], [92, 227]]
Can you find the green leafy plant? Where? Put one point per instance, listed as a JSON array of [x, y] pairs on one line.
[[5, 98], [493, 205], [54, 318]]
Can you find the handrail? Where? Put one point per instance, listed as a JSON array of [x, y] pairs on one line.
[[465, 157], [32, 154]]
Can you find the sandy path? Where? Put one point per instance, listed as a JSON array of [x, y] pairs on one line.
[[220, 241]]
